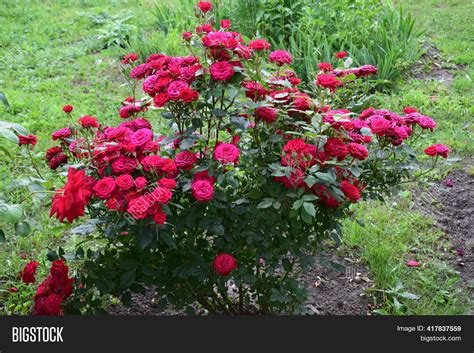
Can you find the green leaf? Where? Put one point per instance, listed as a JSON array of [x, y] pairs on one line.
[[8, 135], [22, 229], [2, 236], [265, 203], [297, 204], [6, 151], [187, 143], [310, 181], [309, 209], [326, 177], [408, 295], [4, 100], [10, 213], [127, 279]]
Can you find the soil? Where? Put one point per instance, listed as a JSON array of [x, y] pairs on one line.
[[431, 67], [450, 203], [333, 292]]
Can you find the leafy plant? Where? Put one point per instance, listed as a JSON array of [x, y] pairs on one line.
[[250, 175]]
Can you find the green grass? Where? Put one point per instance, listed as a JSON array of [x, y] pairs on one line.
[[50, 56], [391, 236]]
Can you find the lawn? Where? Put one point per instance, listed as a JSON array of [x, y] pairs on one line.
[[63, 52]]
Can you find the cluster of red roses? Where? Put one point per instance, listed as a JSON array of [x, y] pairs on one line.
[[132, 170], [52, 292], [56, 288]]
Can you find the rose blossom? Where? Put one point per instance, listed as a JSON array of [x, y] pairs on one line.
[[167, 183], [68, 108], [62, 133], [124, 182], [224, 264], [204, 6], [350, 191], [104, 187], [328, 81], [28, 273], [437, 150], [202, 190], [341, 55], [185, 160], [27, 140], [69, 202], [358, 151], [266, 114], [221, 71], [88, 121], [336, 148], [280, 57], [259, 44], [174, 89], [226, 153], [141, 137], [325, 67]]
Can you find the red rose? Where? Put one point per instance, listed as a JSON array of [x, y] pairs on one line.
[[138, 207], [325, 66], [224, 264], [280, 57], [140, 183], [68, 108], [28, 273], [167, 183], [328, 81], [221, 71], [358, 151], [426, 122], [162, 195], [204, 6], [206, 28], [350, 191], [159, 164], [226, 153], [174, 89], [259, 44], [141, 137], [161, 99], [336, 148], [104, 187], [341, 55], [379, 125], [124, 165], [50, 305], [62, 133], [202, 190], [159, 217], [410, 110], [187, 35], [437, 150], [185, 160], [139, 71], [57, 160], [225, 24], [88, 121], [27, 140], [188, 95], [69, 202], [124, 182], [266, 114], [129, 58]]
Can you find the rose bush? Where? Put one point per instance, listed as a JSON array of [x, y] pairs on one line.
[[238, 179]]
